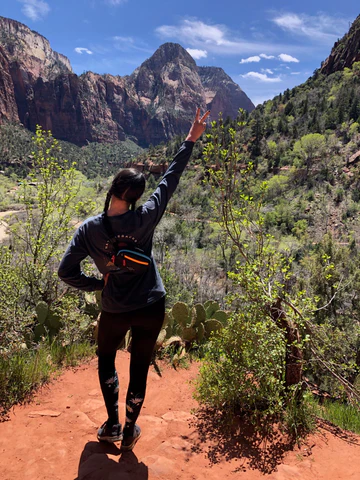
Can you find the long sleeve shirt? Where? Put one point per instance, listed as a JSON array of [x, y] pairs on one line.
[[124, 291]]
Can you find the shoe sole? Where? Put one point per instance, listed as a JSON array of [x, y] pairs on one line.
[[127, 448], [110, 439]]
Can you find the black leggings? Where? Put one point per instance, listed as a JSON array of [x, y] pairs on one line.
[[145, 324]]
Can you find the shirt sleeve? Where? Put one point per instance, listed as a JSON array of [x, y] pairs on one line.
[[69, 269], [155, 207]]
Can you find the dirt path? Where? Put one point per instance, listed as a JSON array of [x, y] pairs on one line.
[[3, 225], [54, 438]]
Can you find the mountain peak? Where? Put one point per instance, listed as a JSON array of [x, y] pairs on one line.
[[169, 53]]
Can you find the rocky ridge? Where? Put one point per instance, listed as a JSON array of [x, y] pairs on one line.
[[152, 105], [31, 51], [345, 52]]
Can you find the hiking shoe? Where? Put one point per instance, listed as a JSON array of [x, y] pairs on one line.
[[111, 434], [129, 441]]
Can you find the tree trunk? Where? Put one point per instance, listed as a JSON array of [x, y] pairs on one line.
[[294, 355]]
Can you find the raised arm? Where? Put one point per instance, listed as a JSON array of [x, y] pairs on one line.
[[155, 207]]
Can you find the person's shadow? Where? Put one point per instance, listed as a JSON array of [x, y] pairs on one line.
[[95, 464]]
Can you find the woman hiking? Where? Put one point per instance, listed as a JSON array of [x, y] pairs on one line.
[[119, 240]]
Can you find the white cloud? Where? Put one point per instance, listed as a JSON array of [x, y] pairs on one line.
[[284, 57], [82, 50], [124, 44], [267, 57], [262, 77], [35, 9], [295, 73], [320, 27], [256, 58], [267, 70], [115, 3], [216, 39], [196, 53], [123, 39]]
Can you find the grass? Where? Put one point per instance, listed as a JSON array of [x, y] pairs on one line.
[[340, 414], [24, 371]]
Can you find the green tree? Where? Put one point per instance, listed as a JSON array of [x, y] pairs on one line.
[[309, 147], [268, 306], [49, 195]]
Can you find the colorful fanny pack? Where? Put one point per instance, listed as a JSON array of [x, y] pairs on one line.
[[127, 257], [134, 261]]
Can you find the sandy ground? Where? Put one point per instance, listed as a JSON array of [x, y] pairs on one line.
[[54, 437]]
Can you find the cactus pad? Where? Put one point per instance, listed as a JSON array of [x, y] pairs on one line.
[[200, 332], [212, 326], [161, 338], [189, 334], [42, 311], [180, 312], [211, 307], [200, 314], [221, 316], [39, 331]]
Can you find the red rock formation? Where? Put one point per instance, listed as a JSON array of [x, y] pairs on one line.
[[345, 51], [153, 104], [8, 108], [222, 94], [31, 50]]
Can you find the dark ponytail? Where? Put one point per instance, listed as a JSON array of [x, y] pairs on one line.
[[128, 185], [107, 201]]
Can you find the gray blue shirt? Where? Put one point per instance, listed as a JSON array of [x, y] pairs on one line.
[[124, 291]]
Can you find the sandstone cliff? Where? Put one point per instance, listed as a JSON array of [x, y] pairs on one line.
[[345, 52], [152, 105], [31, 50], [222, 94], [8, 108]]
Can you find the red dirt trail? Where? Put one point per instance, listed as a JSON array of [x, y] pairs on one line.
[[54, 437]]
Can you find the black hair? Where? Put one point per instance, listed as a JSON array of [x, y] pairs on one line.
[[128, 184]]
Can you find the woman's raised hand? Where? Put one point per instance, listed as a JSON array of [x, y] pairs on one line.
[[198, 127]]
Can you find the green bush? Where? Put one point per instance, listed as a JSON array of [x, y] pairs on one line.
[[24, 370], [244, 366]]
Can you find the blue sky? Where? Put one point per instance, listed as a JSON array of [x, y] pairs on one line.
[[266, 47]]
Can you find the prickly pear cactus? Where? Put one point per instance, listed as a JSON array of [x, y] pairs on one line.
[[180, 313], [53, 321], [188, 334], [42, 311], [191, 324], [221, 316], [161, 339], [212, 326], [200, 314], [174, 340], [39, 332], [211, 307], [200, 332], [178, 356], [49, 322], [168, 320]]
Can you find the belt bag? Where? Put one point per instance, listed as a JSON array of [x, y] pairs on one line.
[[132, 260], [128, 258]]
